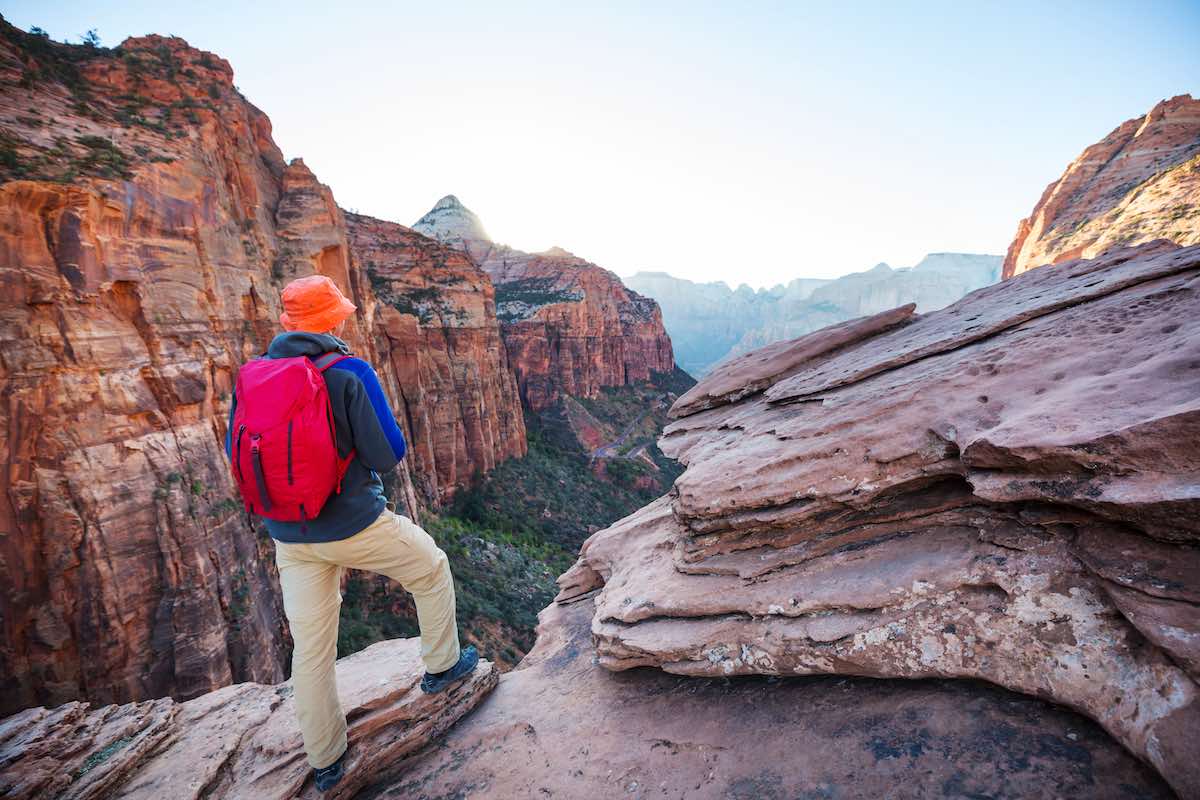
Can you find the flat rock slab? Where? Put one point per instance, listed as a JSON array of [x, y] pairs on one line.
[[563, 727], [241, 741], [989, 311]]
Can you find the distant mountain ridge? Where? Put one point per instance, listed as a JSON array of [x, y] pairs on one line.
[[708, 322]]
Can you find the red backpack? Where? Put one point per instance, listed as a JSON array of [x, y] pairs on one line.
[[285, 458]]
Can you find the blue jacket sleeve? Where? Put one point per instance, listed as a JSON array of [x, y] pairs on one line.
[[378, 440]]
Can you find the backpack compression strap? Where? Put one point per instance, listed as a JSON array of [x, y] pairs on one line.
[[322, 363], [327, 360]]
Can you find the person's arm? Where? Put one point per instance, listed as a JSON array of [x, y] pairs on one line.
[[378, 440]]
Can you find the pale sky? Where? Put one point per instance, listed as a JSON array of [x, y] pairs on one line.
[[744, 142]]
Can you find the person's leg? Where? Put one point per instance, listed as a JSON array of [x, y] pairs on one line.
[[311, 600], [395, 546]]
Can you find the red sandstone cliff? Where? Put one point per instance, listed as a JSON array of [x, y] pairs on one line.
[[135, 268], [1003, 489], [435, 325], [570, 327], [147, 223], [1141, 182]]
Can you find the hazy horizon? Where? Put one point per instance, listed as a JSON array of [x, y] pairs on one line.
[[709, 143], [734, 286]]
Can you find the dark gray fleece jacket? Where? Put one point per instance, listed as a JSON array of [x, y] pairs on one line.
[[363, 422]]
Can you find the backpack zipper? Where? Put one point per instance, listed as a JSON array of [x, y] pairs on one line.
[[238, 458], [290, 481]]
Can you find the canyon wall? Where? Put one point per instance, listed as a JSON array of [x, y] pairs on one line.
[[1141, 182], [570, 327], [1007, 489], [1004, 490], [147, 224], [436, 326], [705, 320], [136, 279]]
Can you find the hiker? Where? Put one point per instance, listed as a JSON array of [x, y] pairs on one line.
[[310, 430]]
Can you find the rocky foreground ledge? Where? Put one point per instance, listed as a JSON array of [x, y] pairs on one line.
[[241, 741], [1007, 489], [563, 727]]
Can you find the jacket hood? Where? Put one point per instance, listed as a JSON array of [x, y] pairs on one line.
[[302, 343]]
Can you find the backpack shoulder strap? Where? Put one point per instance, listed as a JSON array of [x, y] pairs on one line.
[[327, 360]]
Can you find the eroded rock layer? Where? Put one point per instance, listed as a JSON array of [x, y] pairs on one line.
[[571, 327], [237, 742], [1141, 182], [436, 325], [561, 726], [1007, 489]]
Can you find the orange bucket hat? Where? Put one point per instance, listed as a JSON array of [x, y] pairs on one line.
[[314, 304]]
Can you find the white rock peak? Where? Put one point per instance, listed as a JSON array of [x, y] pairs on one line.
[[451, 222]]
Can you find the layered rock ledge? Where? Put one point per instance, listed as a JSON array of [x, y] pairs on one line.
[[1007, 489], [562, 727], [241, 741]]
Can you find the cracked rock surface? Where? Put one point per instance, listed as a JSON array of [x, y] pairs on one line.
[[561, 726], [241, 741], [1007, 489]]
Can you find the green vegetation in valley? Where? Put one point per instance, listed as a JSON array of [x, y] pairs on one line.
[[373, 611], [677, 381], [557, 493], [502, 579]]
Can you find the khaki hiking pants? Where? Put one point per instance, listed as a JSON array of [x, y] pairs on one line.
[[310, 576]]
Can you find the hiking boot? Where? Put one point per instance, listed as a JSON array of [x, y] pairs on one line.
[[434, 682], [327, 777]]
